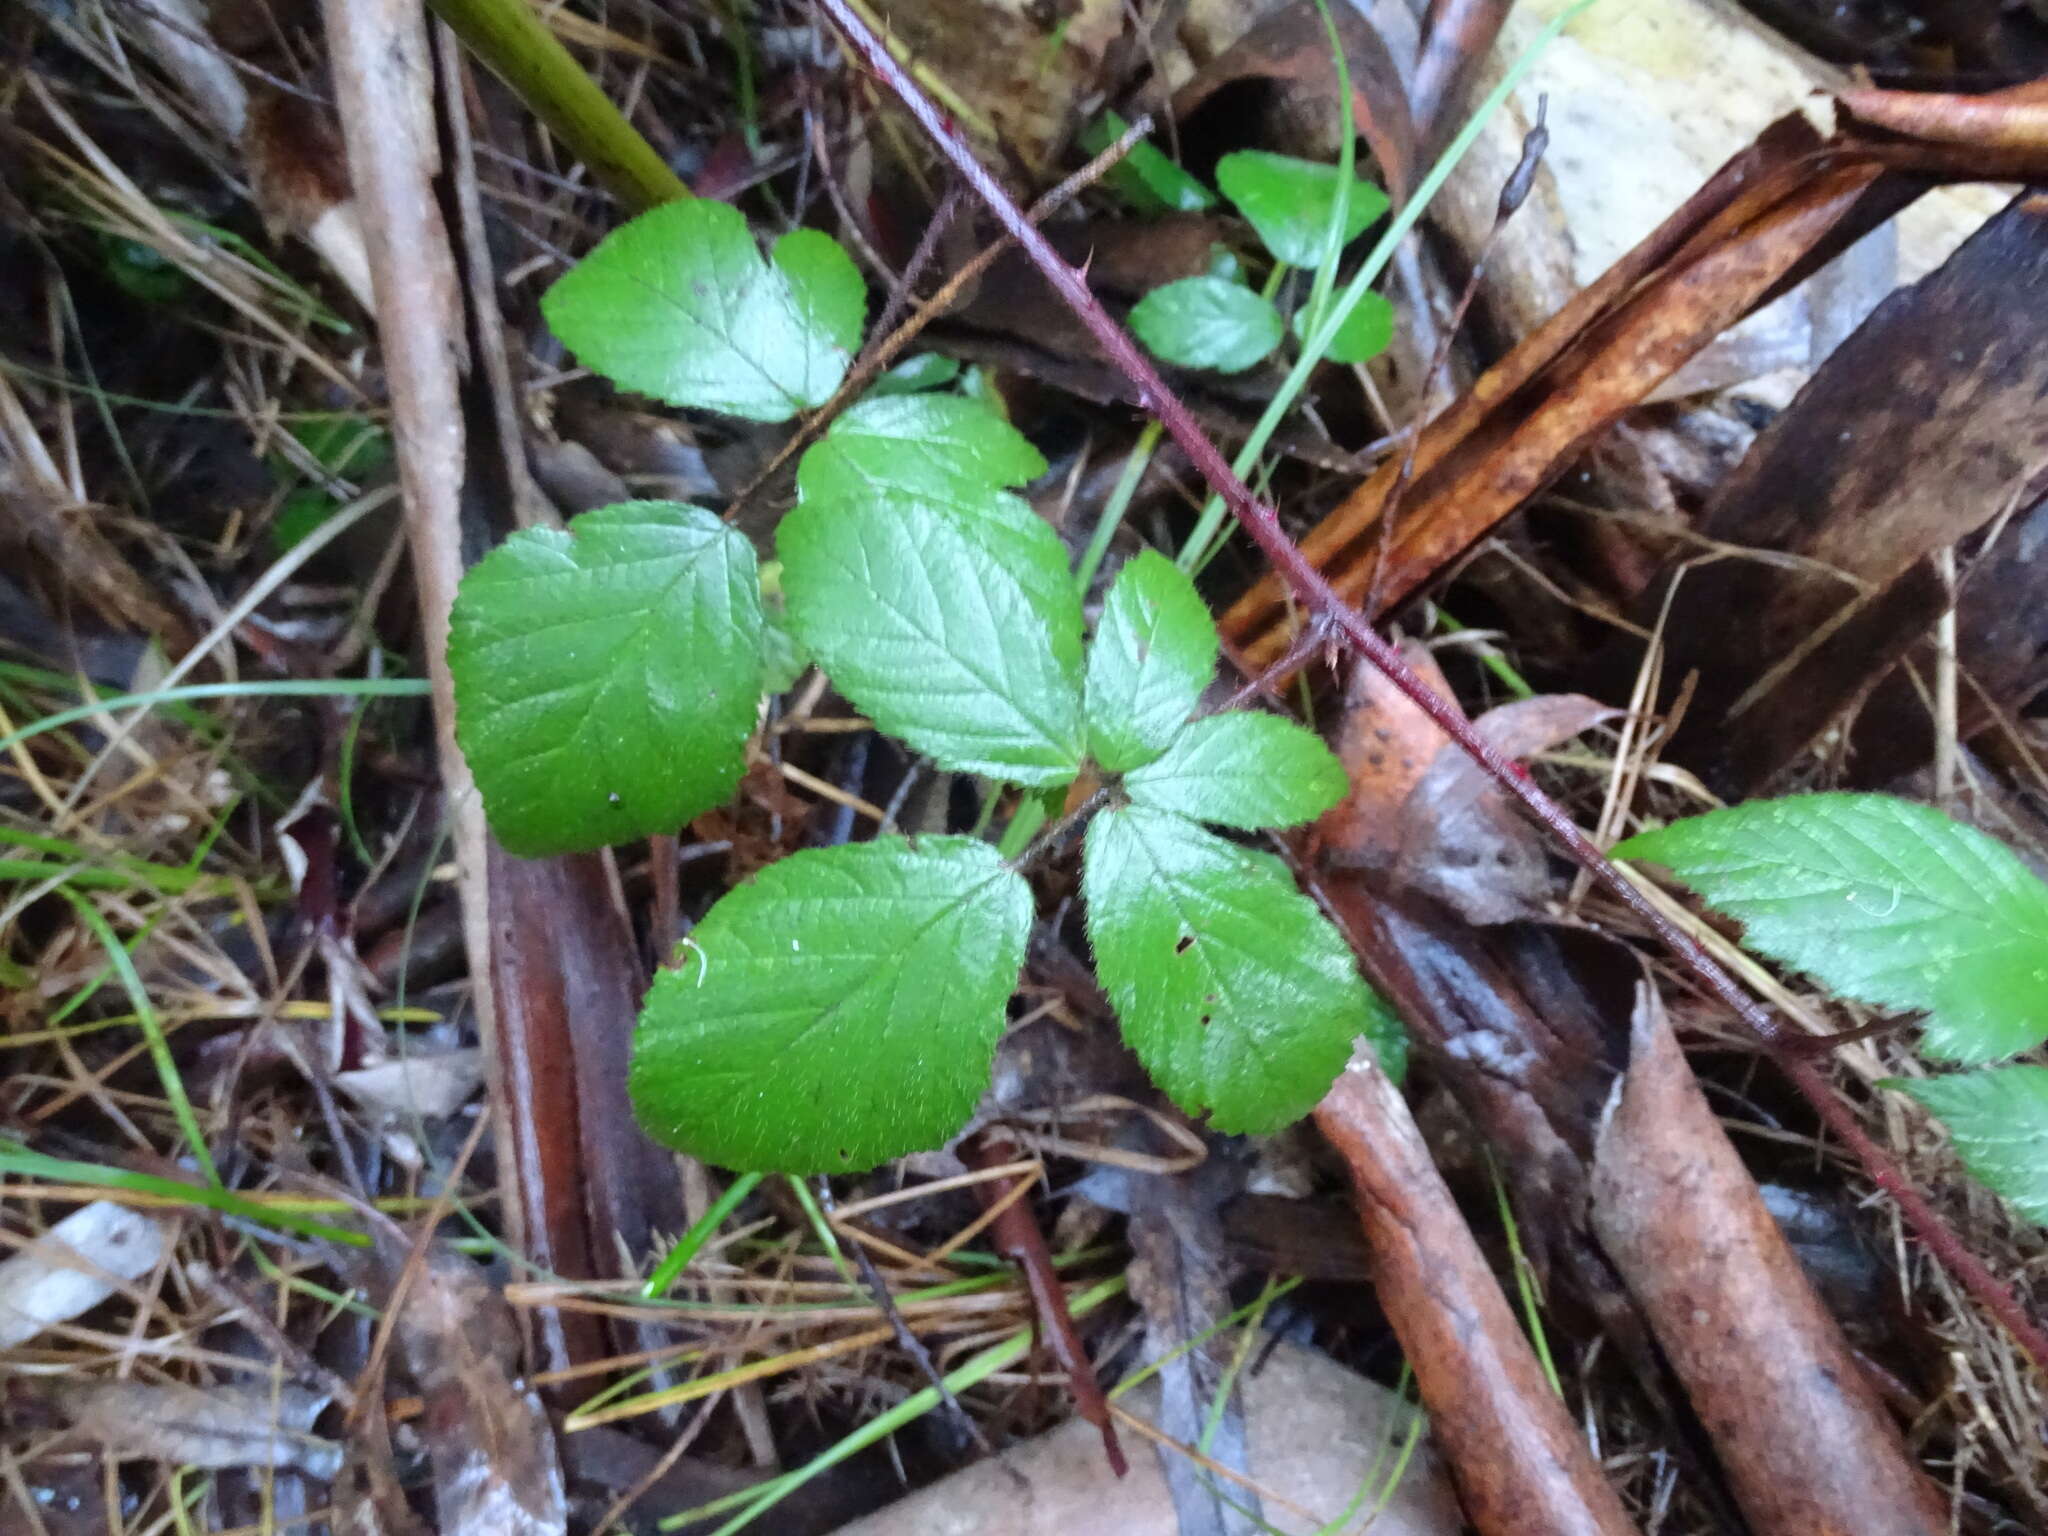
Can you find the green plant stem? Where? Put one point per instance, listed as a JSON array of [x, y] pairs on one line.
[[1525, 1282], [1209, 530], [1034, 809], [1119, 503], [827, 1238], [152, 1031], [517, 47], [1340, 206], [20, 1161], [692, 1242], [758, 1501]]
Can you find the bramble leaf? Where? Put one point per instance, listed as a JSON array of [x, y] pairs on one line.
[[1207, 322], [1245, 769], [1883, 901], [938, 447], [1234, 991], [1145, 178], [1288, 201], [840, 1010], [677, 304], [952, 624], [1999, 1120], [607, 678], [916, 373], [1153, 654], [1364, 335]]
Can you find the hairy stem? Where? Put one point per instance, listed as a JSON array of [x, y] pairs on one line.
[[1316, 595]]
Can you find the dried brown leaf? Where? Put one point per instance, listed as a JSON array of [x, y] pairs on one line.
[[216, 1426], [75, 1266]]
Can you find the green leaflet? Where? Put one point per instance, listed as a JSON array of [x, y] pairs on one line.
[[1207, 322], [840, 1010], [1154, 652], [919, 371], [1364, 335], [953, 626], [937, 601], [1999, 1119], [936, 447], [678, 304], [1145, 178], [606, 678], [1289, 202], [1245, 769], [1237, 995], [1883, 901]]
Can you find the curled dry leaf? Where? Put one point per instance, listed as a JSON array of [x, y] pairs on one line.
[[1290, 50], [216, 1426], [427, 1086], [1805, 1441], [1520, 1462], [490, 1443], [1923, 427], [74, 1267], [1424, 816]]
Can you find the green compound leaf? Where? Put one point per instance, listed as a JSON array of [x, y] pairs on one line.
[[953, 625], [841, 1010], [1288, 201], [1145, 178], [1882, 901], [1365, 334], [1246, 769], [1234, 991], [678, 305], [1999, 1119], [606, 678], [935, 447], [1207, 322], [1154, 652]]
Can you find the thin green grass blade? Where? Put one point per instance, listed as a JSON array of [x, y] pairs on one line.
[[20, 1161], [1208, 534], [759, 1500], [152, 1031]]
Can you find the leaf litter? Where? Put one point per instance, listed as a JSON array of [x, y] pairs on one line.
[[301, 1058]]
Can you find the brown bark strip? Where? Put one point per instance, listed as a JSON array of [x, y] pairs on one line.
[[545, 944], [1521, 1466], [1924, 426], [1017, 1238], [2014, 118], [1754, 225], [1805, 1441]]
